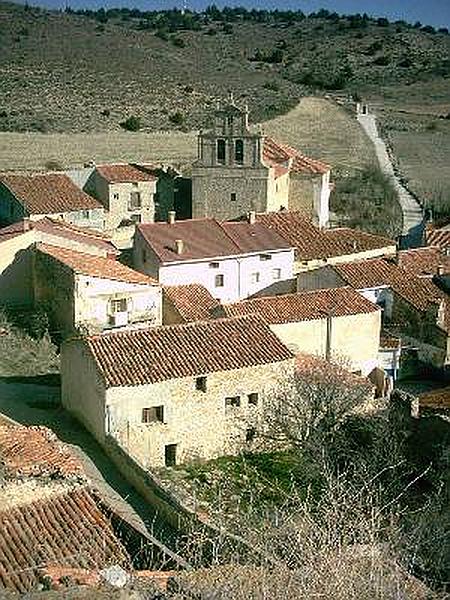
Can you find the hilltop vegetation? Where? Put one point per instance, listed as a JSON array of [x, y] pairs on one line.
[[94, 70]]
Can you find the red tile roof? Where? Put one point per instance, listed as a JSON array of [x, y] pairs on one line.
[[424, 262], [36, 452], [48, 193], [95, 266], [207, 238], [277, 155], [62, 229], [193, 302], [66, 529], [439, 237], [304, 306], [312, 243], [123, 173], [389, 341], [317, 370], [435, 399], [162, 353]]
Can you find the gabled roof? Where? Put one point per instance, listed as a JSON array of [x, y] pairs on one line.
[[95, 266], [162, 353], [276, 154], [123, 173], [304, 306], [36, 452], [193, 302], [424, 262], [207, 238], [439, 237], [312, 243], [47, 193], [68, 529]]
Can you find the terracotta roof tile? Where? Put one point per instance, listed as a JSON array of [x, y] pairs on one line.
[[439, 237], [424, 262], [151, 355], [389, 341], [36, 452], [318, 370], [193, 302], [95, 266], [67, 529], [123, 173], [207, 238], [48, 193], [312, 243], [304, 306], [435, 399], [277, 154]]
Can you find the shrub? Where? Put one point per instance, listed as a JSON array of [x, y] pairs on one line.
[[374, 48], [228, 28], [105, 112], [382, 61], [162, 35], [177, 118], [188, 89], [133, 123], [178, 42]]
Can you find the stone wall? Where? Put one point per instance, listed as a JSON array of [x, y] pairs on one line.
[[16, 280]]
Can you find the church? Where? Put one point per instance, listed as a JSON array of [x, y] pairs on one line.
[[239, 170]]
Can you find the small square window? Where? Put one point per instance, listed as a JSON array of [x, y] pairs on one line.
[[250, 435], [265, 257], [119, 305], [253, 399], [134, 201], [135, 218], [233, 196], [214, 265], [116, 196], [200, 384], [276, 274], [154, 414], [233, 402], [219, 280], [255, 277]]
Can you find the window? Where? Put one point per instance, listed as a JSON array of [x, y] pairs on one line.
[[200, 384], [144, 256], [233, 402], [255, 277], [233, 196], [154, 414], [86, 214], [239, 152], [265, 257], [219, 280], [135, 218], [119, 305], [214, 265], [230, 121], [221, 151], [253, 399], [116, 196], [170, 455], [250, 434], [134, 201], [276, 274]]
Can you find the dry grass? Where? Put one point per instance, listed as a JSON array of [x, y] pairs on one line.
[[317, 126]]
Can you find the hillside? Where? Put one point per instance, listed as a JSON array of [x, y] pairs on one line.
[[70, 72]]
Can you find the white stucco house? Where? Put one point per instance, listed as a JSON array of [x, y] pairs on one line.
[[91, 294], [232, 260]]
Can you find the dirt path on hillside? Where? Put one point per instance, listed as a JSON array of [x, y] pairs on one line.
[[413, 217]]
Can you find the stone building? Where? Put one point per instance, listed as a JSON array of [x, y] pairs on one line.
[[233, 260], [128, 195], [315, 247], [173, 394], [335, 324], [239, 170], [16, 251], [89, 293], [33, 196]]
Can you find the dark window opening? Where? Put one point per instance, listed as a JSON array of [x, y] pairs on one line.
[[134, 201], [135, 218], [239, 152], [265, 257], [233, 196], [219, 280], [200, 384], [170, 455], [154, 414], [221, 151], [214, 265], [250, 434], [253, 399], [233, 402]]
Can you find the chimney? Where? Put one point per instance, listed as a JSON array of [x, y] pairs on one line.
[[251, 217], [171, 217], [440, 270], [179, 246]]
